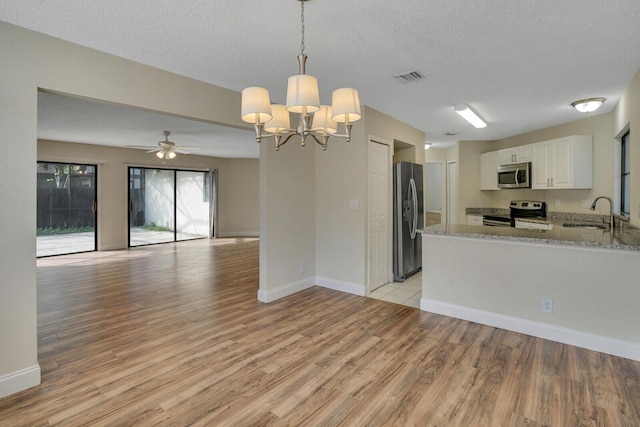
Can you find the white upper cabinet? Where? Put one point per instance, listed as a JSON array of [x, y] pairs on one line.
[[521, 154], [488, 171], [563, 163]]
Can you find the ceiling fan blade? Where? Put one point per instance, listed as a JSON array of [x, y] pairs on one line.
[[181, 151], [140, 146], [154, 150]]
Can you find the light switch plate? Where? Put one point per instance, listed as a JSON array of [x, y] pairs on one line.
[[354, 204]]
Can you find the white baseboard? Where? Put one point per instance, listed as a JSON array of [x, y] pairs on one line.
[[271, 295], [239, 234], [19, 380], [113, 247], [350, 288], [603, 344]]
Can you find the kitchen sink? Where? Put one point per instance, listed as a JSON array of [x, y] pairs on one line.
[[587, 225]]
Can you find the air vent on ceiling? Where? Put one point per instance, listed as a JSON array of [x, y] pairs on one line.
[[408, 76], [451, 133]]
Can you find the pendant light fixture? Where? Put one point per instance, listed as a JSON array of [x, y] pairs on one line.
[[314, 120]]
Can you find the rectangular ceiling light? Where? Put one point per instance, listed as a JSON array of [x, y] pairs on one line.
[[470, 116]]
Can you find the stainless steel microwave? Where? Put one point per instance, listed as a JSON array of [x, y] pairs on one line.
[[514, 176]]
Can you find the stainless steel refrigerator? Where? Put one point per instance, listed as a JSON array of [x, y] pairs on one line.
[[408, 219]]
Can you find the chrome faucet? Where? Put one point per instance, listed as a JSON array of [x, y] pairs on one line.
[[593, 208]]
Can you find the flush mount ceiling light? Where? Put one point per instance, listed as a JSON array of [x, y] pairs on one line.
[[588, 105], [427, 145], [315, 120], [470, 116]]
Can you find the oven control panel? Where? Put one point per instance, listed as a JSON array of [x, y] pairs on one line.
[[526, 205]]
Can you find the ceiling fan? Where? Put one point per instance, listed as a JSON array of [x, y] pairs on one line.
[[166, 149]]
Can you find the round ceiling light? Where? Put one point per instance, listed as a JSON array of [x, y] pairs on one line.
[[588, 105]]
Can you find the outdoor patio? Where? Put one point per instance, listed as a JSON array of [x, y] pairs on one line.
[[58, 244]]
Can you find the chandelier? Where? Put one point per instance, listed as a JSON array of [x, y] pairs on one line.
[[314, 120]]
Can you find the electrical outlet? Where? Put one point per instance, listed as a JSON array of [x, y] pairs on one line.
[[547, 305], [303, 268]]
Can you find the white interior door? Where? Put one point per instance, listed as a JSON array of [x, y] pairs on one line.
[[452, 193], [379, 208]]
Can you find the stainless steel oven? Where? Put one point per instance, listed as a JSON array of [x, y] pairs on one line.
[[514, 176], [496, 221]]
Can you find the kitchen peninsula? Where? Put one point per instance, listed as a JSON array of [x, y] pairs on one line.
[[499, 276]]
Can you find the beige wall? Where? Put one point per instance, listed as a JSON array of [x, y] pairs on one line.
[[31, 61], [287, 218], [469, 194], [341, 176], [238, 200], [239, 197]]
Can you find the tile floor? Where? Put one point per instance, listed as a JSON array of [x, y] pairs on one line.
[[408, 292]]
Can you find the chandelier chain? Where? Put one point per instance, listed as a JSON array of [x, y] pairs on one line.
[[302, 22]]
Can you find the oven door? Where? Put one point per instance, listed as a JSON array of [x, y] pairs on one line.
[[514, 176], [496, 221]]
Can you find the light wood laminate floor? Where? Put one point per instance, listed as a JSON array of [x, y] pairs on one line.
[[174, 335]]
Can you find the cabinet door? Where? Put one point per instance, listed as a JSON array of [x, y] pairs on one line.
[[523, 154], [540, 173], [488, 171], [509, 156], [506, 156], [562, 173]]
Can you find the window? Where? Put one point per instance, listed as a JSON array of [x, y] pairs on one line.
[[625, 175]]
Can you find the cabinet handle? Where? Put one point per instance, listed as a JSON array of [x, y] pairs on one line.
[[548, 183], [552, 182]]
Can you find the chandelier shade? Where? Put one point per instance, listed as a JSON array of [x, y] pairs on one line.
[[256, 106], [322, 121], [280, 121], [303, 95], [345, 104]]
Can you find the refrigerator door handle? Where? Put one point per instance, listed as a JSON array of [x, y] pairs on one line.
[[414, 211]]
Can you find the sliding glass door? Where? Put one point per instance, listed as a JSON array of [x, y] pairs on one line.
[[167, 205], [192, 205], [66, 208]]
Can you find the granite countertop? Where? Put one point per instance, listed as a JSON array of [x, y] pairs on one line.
[[625, 238]]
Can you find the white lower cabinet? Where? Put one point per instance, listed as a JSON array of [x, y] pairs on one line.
[[563, 163], [474, 219]]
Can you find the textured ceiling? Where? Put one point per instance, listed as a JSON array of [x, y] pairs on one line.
[[61, 118], [519, 64]]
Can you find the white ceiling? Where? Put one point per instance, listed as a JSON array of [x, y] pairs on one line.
[[519, 64], [62, 118]]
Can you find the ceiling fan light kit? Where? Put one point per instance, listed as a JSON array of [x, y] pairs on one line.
[[166, 150], [303, 98]]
